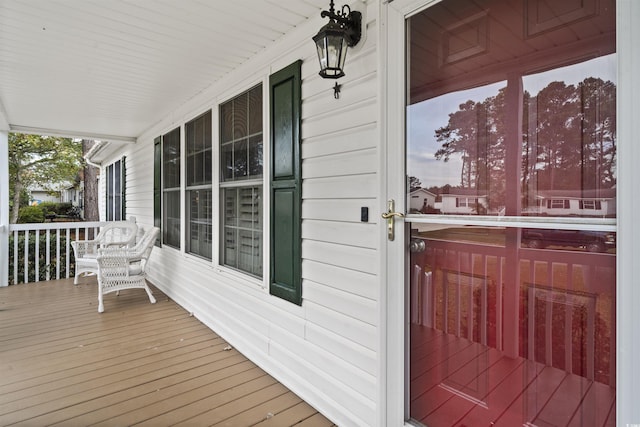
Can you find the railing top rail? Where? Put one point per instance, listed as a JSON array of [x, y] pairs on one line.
[[55, 225]]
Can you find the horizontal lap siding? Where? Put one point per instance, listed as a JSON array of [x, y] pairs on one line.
[[139, 190], [326, 349]]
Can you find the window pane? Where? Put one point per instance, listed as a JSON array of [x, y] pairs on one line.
[[240, 159], [171, 159], [249, 252], [198, 136], [242, 229], [250, 208], [199, 233], [230, 207], [255, 156], [240, 116], [240, 155], [226, 122], [230, 246], [206, 160], [171, 218], [255, 110], [110, 194], [226, 161]]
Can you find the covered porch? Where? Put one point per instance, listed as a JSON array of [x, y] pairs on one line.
[[62, 363]]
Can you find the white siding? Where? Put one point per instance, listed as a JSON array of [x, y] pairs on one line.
[[326, 350]]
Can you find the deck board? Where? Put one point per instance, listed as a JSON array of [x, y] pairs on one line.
[[62, 363]]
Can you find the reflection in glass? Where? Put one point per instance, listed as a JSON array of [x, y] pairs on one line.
[[511, 110], [255, 156], [240, 156], [569, 141], [523, 337], [457, 145]]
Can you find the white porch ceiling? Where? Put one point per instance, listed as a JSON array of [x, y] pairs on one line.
[[108, 69]]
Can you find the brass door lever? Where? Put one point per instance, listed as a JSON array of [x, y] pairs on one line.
[[389, 216]]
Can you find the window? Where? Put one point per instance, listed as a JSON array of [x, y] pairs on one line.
[[466, 202], [241, 164], [590, 204], [171, 188], [115, 206], [198, 184], [559, 204]]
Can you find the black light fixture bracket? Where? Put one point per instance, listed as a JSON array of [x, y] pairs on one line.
[[336, 90], [350, 20], [334, 39]]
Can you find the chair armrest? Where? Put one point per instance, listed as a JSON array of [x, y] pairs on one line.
[[117, 244], [130, 254], [83, 247]]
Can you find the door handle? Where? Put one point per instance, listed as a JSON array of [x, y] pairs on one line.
[[390, 217]]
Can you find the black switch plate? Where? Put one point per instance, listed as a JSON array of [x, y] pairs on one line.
[[364, 214]]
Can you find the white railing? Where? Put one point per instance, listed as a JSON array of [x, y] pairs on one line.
[[43, 251]]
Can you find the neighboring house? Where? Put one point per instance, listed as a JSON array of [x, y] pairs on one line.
[[420, 200], [74, 194], [39, 195], [269, 189], [588, 203], [463, 202], [71, 192]]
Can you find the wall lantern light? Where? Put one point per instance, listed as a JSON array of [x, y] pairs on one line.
[[343, 30]]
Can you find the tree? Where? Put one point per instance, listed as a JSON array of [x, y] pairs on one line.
[[90, 186], [414, 183], [40, 160]]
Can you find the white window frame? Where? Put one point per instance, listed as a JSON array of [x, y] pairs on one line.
[[186, 200], [219, 186]]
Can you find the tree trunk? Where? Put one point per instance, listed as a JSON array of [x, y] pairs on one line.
[[17, 191], [90, 186]]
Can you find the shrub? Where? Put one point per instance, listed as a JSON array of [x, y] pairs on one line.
[[30, 214], [43, 267], [56, 208]]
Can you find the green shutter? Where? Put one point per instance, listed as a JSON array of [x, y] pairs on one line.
[[157, 186], [286, 184]]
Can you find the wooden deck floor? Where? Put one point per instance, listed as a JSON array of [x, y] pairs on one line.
[[62, 363]]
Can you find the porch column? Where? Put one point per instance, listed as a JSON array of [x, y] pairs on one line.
[[4, 208]]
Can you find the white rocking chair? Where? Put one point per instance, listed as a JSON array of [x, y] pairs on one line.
[[113, 234], [125, 268]]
